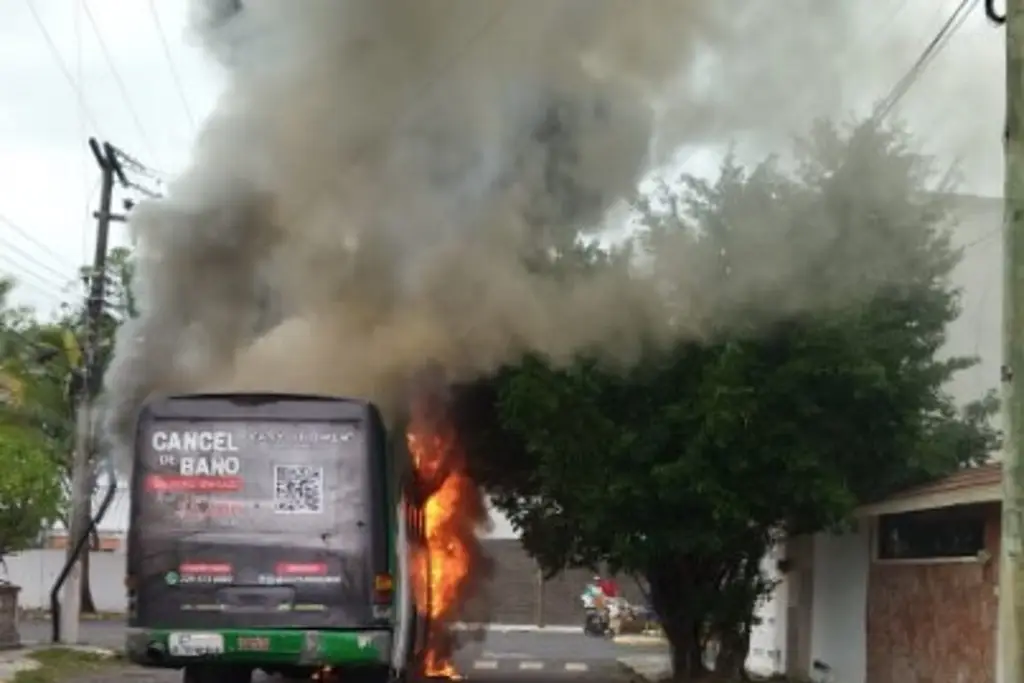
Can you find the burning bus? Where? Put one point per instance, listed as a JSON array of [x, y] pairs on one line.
[[273, 532]]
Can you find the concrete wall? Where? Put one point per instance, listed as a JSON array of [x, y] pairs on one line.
[[515, 594], [767, 639], [37, 570]]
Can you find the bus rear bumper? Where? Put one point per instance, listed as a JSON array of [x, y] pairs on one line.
[[262, 648]]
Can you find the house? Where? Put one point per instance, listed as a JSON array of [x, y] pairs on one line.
[[910, 595]]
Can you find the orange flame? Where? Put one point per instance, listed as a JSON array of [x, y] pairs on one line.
[[443, 560]]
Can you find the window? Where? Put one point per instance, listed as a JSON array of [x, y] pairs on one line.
[[952, 532]]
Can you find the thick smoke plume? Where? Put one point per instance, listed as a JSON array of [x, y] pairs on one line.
[[380, 175]]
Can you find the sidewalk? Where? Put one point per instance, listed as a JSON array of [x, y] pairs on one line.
[[516, 628], [14, 661], [648, 667]]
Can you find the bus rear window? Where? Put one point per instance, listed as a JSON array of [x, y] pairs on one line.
[[277, 477]]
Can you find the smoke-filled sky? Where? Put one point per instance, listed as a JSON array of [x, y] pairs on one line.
[[372, 164], [377, 177], [796, 59]]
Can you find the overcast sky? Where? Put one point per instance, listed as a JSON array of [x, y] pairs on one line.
[[58, 88], [123, 70]]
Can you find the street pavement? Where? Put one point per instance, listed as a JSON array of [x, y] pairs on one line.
[[489, 657]]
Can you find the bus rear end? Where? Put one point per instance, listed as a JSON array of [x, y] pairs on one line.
[[259, 536]]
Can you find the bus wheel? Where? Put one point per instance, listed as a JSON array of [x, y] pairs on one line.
[[206, 673]]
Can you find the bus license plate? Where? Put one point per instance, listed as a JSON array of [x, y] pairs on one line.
[[195, 644]]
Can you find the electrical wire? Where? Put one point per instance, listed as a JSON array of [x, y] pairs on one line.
[[111, 64], [83, 131], [25, 277], [39, 280], [934, 47], [993, 15], [22, 232], [170, 62], [21, 253], [83, 106]]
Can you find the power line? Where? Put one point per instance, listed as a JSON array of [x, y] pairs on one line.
[[170, 62], [44, 280], [24, 277], [108, 57], [22, 232], [18, 251], [55, 53], [937, 44]]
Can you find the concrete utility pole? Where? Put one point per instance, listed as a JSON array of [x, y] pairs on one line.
[[82, 466], [1011, 584]]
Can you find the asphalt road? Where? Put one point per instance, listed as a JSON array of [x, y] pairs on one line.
[[488, 657]]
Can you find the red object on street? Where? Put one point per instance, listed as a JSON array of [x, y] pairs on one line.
[[609, 587]]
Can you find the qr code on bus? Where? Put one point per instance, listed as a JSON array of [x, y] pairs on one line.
[[298, 489]]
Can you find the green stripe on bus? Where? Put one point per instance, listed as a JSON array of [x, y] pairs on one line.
[[277, 646]]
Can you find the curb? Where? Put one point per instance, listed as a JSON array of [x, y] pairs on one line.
[[515, 628], [45, 615], [639, 639]]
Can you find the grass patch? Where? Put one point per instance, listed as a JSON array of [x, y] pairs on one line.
[[59, 663]]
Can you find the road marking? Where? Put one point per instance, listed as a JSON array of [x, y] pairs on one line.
[[575, 666], [485, 664], [504, 655], [531, 666]]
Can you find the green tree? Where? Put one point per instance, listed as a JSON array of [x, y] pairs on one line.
[[46, 366], [817, 385], [31, 491]]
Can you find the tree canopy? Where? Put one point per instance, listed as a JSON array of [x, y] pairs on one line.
[[41, 376], [31, 490], [815, 384]]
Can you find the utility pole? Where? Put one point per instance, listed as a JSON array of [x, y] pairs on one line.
[[1011, 565], [82, 466]]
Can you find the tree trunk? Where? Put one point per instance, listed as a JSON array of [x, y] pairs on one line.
[[674, 588], [731, 664], [687, 650]]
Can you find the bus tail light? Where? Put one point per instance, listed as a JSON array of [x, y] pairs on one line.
[[383, 589]]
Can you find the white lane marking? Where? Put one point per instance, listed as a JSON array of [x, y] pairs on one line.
[[575, 666], [531, 666], [485, 664]]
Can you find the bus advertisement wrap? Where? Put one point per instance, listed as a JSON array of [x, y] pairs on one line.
[[253, 520]]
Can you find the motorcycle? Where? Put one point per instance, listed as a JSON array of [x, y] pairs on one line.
[[596, 617], [596, 623]]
